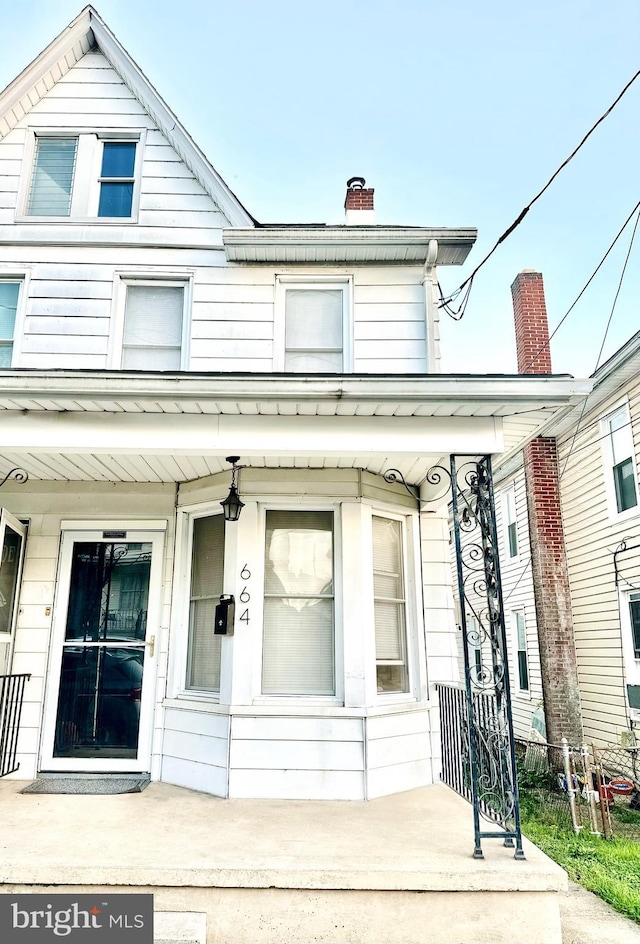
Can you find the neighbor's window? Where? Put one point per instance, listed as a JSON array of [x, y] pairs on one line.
[[314, 328], [52, 178], [9, 294], [117, 178], [510, 521], [634, 610], [298, 637], [521, 643], [207, 559], [153, 326], [621, 453], [389, 606]]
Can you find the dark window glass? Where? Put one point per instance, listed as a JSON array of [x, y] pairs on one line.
[[116, 186], [523, 672], [625, 485], [635, 626], [118, 159]]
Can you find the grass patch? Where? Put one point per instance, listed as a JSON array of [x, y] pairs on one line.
[[608, 867]]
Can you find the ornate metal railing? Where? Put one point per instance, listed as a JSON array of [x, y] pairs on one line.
[[490, 724], [479, 729], [11, 699]]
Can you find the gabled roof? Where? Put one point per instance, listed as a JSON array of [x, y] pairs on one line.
[[84, 33]]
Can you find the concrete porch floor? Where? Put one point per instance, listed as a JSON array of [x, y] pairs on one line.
[[396, 870]]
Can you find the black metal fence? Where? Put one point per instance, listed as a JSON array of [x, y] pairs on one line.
[[454, 737], [11, 699]]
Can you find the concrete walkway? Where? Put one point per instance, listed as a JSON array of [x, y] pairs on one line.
[[586, 919]]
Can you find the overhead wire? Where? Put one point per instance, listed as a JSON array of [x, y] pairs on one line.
[[446, 302]]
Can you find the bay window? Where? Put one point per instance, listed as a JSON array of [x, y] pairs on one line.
[[298, 636], [389, 605], [207, 561]]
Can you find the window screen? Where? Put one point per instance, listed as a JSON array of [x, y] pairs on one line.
[[207, 560], [153, 327]]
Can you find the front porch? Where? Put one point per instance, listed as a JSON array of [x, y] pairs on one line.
[[395, 870]]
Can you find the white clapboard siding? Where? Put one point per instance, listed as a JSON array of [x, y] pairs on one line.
[[591, 535], [399, 752], [33, 634], [91, 96], [293, 758]]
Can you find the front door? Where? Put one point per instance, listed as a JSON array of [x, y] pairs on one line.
[[99, 709]]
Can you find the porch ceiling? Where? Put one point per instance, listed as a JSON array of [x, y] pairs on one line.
[[50, 423]]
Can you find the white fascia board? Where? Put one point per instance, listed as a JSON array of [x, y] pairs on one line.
[[77, 30], [205, 434], [511, 393], [261, 239]]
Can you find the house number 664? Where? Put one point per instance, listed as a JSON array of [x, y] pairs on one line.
[[245, 596]]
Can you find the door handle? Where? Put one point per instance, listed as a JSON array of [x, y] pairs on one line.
[[151, 643]]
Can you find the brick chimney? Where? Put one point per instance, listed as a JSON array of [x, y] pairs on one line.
[[532, 327], [548, 556], [358, 203]]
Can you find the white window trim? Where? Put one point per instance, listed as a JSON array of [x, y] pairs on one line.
[[630, 663], [509, 490], [22, 275], [522, 693], [310, 281], [607, 461], [180, 604], [85, 194], [176, 279], [258, 610], [412, 598]]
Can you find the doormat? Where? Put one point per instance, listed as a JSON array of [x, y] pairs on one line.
[[99, 786]]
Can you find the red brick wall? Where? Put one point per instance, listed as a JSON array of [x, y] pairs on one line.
[[548, 557], [552, 596]]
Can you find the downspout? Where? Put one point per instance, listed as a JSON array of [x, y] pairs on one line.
[[431, 311]]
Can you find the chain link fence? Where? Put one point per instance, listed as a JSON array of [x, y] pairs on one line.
[[595, 789]]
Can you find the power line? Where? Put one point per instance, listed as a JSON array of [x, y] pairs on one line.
[[604, 338], [458, 313], [545, 345]]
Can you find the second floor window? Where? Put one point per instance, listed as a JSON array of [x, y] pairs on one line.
[[621, 452], [9, 294], [153, 326], [312, 333]]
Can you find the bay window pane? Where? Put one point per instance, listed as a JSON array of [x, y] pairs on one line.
[[207, 563], [389, 605], [298, 637]]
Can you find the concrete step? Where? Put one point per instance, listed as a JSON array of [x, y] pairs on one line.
[[179, 927]]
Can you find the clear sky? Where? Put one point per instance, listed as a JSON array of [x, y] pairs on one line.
[[456, 113]]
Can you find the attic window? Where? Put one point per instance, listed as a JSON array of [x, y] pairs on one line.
[[85, 176]]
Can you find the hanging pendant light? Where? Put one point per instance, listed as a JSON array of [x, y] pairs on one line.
[[232, 506]]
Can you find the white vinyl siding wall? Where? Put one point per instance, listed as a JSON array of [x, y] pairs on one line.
[[591, 536]]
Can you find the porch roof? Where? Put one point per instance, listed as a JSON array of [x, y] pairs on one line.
[[53, 424]]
